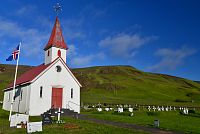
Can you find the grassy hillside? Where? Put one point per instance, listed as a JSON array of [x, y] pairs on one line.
[[7, 73], [125, 84]]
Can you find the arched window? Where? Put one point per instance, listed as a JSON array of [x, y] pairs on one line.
[[9, 96], [48, 53], [41, 91], [59, 53], [71, 93]]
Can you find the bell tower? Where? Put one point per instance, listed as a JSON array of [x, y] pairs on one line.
[[56, 46]]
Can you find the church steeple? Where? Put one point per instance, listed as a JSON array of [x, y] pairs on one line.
[[56, 46], [56, 39]]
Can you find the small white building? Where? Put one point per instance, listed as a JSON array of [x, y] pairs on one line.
[[49, 85]]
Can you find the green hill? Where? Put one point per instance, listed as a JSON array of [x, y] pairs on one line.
[[124, 84]]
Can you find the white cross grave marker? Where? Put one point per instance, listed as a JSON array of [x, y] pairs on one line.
[[59, 112], [149, 108], [166, 108], [170, 108], [159, 109], [174, 108], [154, 108], [163, 109]]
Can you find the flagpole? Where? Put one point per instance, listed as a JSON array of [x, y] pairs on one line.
[[12, 101]]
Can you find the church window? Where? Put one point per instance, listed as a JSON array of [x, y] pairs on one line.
[[58, 68], [9, 97], [21, 94], [41, 91], [48, 53], [59, 53], [71, 93]]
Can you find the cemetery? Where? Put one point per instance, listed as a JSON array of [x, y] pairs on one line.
[[169, 117], [141, 115]]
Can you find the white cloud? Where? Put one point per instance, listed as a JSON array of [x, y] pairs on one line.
[[72, 29], [32, 39], [78, 60], [72, 51], [171, 59], [25, 10], [86, 60], [125, 44]]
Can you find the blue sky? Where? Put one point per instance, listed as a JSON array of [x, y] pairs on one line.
[[159, 36]]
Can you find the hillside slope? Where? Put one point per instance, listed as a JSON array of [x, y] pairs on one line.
[[124, 84], [7, 75]]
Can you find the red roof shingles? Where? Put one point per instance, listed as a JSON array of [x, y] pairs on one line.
[[56, 39], [29, 75]]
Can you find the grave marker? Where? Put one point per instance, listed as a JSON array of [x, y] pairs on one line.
[[154, 108], [166, 109], [163, 109], [107, 109], [120, 110], [159, 109], [59, 112], [130, 109], [185, 110], [149, 108], [170, 108], [46, 119], [174, 108], [99, 109]]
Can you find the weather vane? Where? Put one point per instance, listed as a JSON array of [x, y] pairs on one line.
[[57, 8]]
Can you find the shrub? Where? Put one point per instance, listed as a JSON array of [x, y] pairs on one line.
[[123, 113], [191, 111], [135, 109], [125, 109], [152, 113], [96, 112], [181, 112]]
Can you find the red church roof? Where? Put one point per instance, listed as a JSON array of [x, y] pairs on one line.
[[29, 75], [56, 39]]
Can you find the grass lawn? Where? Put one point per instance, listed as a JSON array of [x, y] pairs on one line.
[[81, 127], [171, 120]]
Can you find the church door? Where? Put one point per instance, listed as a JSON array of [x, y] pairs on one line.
[[56, 97]]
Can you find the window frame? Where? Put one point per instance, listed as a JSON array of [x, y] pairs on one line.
[[59, 53], [48, 53], [72, 93], [9, 96], [41, 91], [21, 95]]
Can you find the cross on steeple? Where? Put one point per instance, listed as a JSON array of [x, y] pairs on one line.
[[57, 8]]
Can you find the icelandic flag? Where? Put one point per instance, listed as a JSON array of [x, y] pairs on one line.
[[15, 55]]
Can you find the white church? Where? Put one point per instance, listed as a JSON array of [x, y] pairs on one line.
[[49, 85]]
